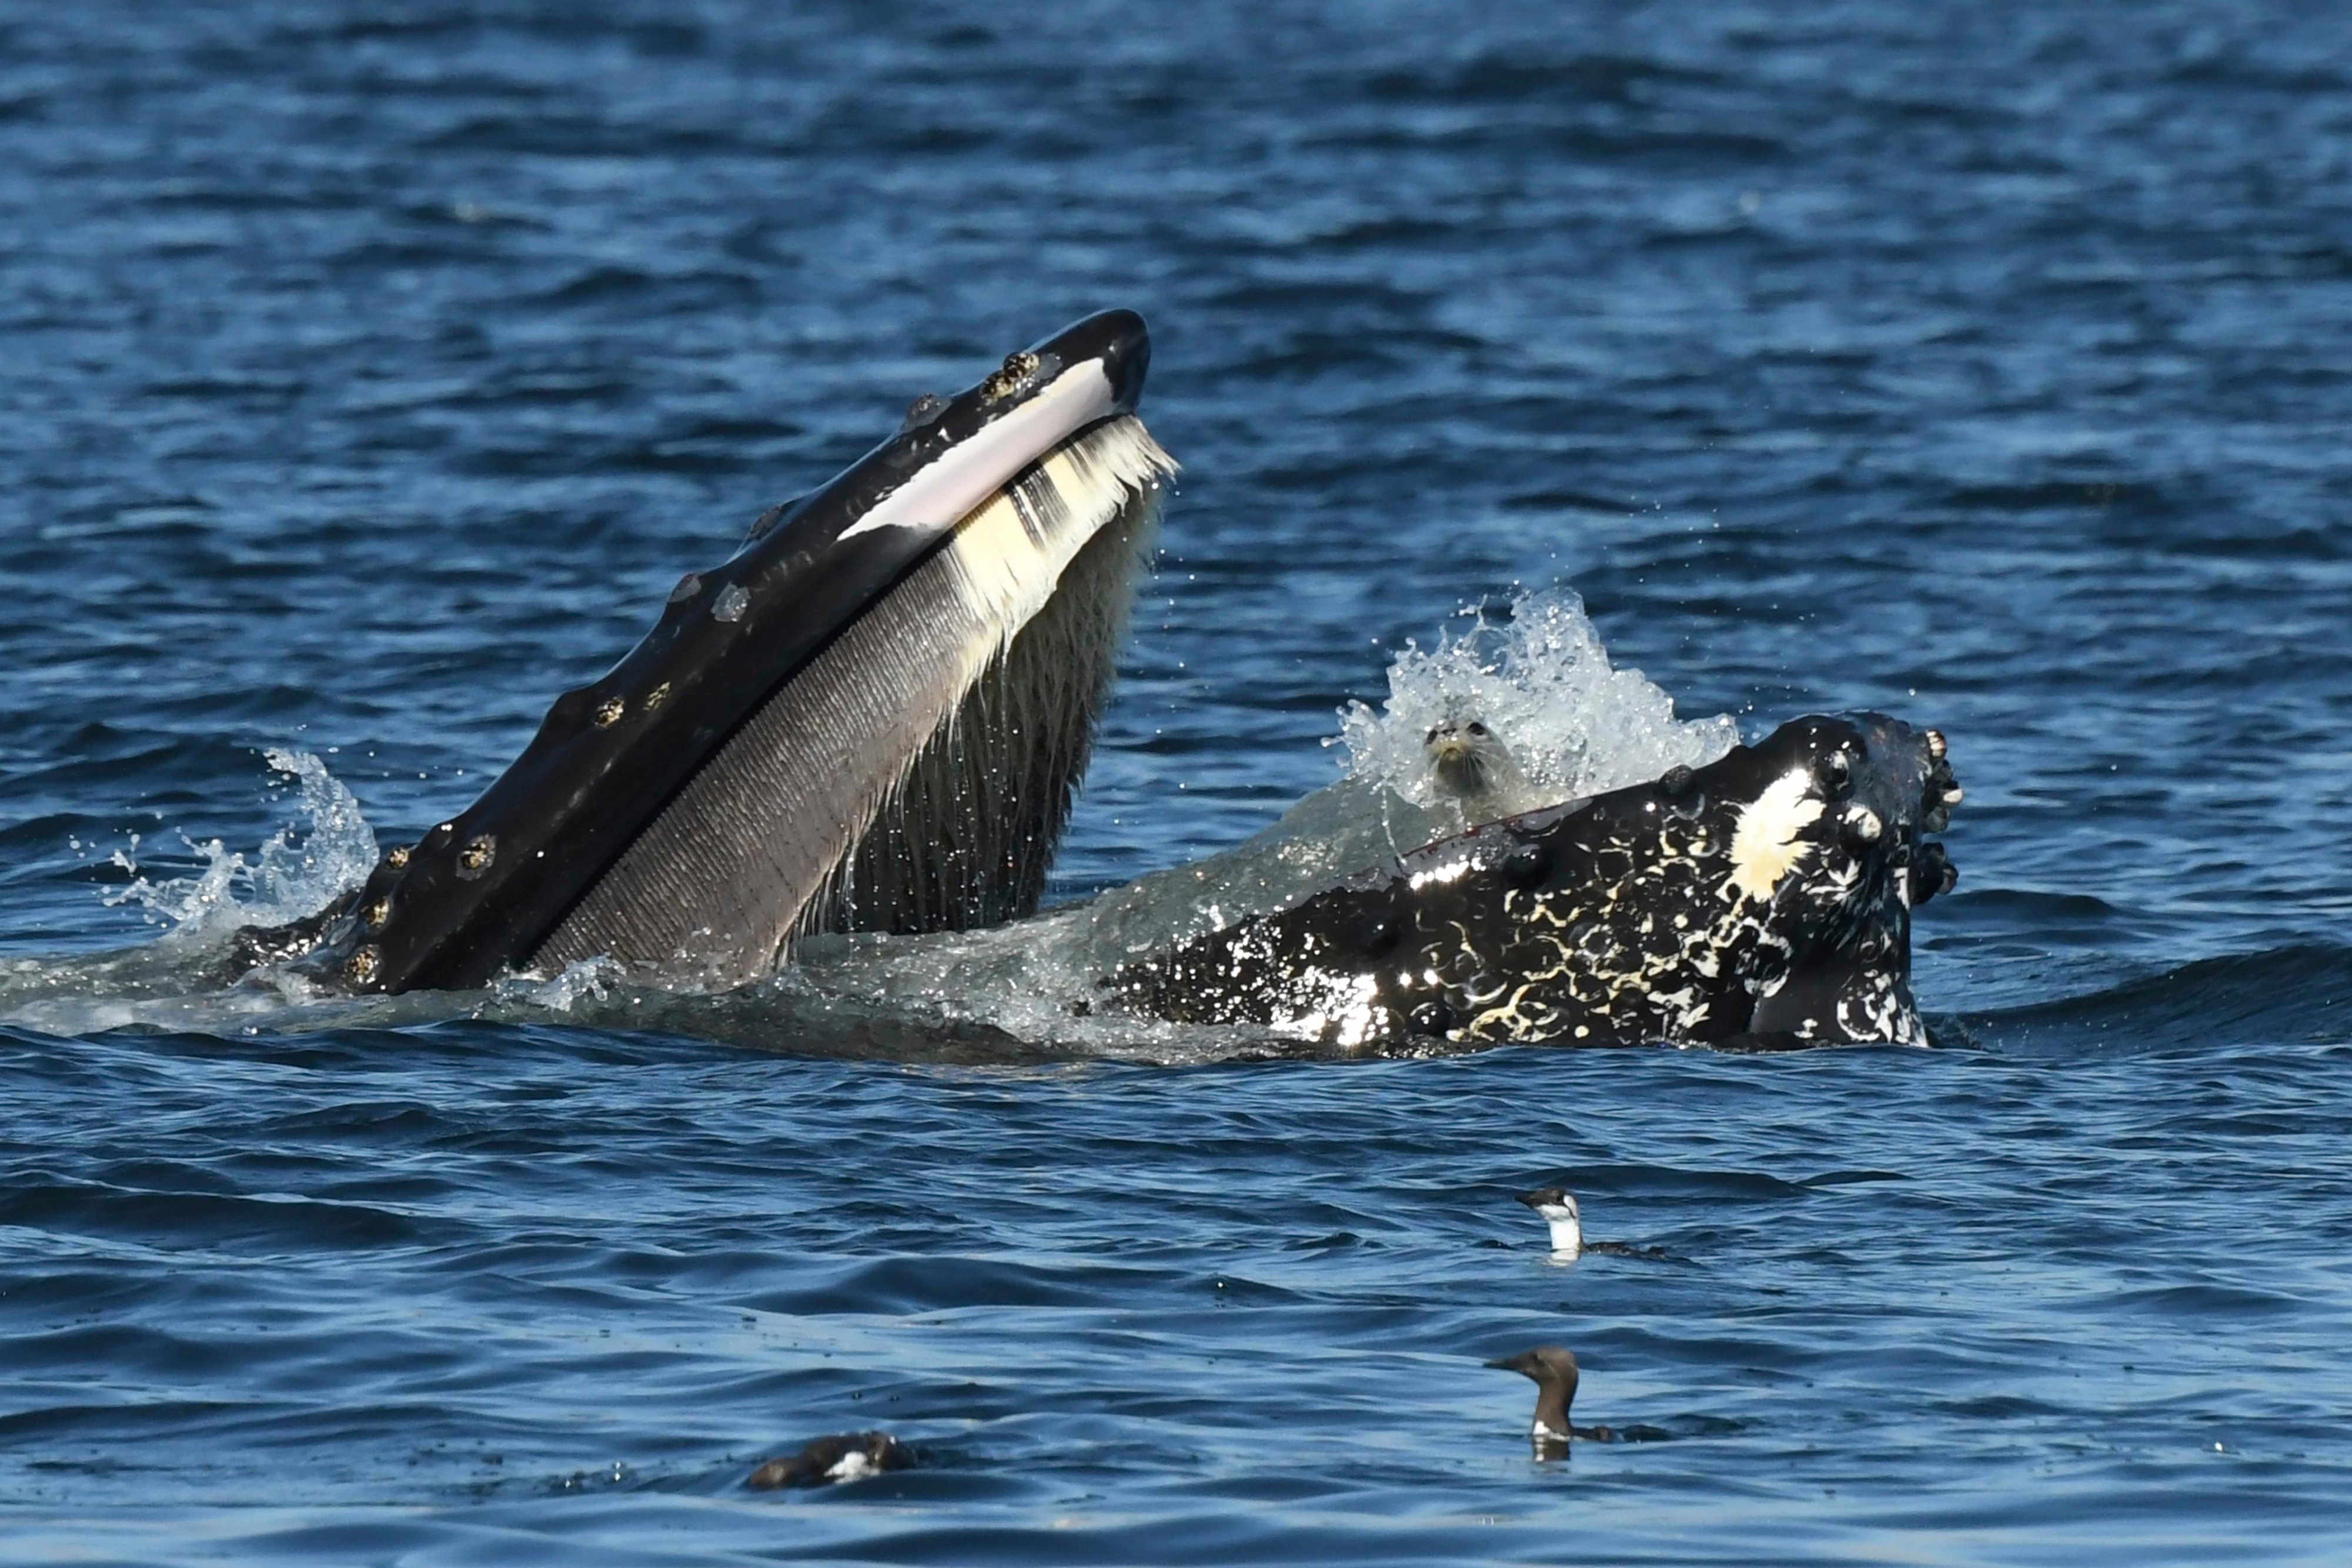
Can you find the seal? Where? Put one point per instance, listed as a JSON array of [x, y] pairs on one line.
[[1762, 901]]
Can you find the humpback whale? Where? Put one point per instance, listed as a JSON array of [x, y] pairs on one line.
[[873, 715], [872, 718]]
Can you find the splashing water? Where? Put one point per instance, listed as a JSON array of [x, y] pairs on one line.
[[1540, 680], [581, 983], [291, 875]]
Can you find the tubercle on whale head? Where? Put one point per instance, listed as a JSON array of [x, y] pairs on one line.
[[477, 892], [1764, 898]]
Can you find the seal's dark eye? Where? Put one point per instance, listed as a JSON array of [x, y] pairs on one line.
[[1837, 772], [1430, 738], [1478, 728]]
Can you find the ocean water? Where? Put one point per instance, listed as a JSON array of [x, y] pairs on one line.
[[372, 372]]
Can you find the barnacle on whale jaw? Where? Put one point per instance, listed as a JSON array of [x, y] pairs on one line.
[[1762, 900]]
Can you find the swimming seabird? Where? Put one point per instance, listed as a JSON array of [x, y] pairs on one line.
[[846, 1457], [1557, 1206], [1554, 1371]]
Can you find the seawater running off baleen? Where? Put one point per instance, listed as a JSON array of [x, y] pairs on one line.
[[372, 380]]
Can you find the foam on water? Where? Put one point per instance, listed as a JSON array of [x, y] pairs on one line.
[[172, 982]]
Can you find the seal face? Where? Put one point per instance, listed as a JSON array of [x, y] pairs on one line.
[[1469, 762], [1737, 902]]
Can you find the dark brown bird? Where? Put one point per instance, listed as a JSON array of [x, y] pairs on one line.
[[1554, 1371], [848, 1456]]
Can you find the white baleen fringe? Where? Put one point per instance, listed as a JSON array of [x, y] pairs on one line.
[[1008, 554], [963, 829]]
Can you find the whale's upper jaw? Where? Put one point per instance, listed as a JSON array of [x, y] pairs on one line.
[[949, 453], [1762, 900], [484, 890]]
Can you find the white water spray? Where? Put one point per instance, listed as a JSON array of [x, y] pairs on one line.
[[1540, 680], [291, 875]]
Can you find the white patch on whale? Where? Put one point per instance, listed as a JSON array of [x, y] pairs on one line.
[[1007, 555], [1765, 846]]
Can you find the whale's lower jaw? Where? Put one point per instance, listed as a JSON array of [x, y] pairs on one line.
[[1763, 899]]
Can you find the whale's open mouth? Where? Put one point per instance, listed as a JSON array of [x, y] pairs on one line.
[[872, 718], [1762, 900]]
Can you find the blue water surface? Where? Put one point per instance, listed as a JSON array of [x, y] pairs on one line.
[[372, 372]]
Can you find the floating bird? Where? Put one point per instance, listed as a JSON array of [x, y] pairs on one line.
[[1554, 1371], [1557, 1206], [848, 1457]]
